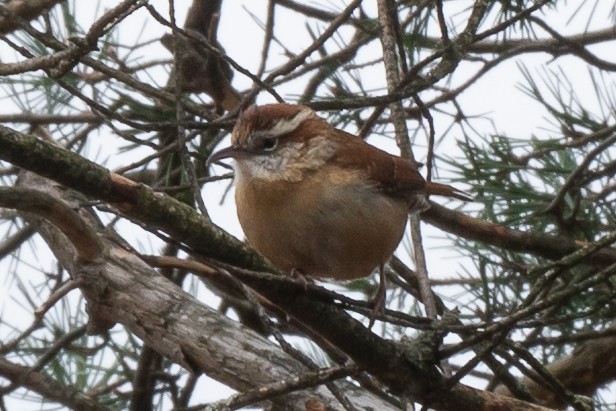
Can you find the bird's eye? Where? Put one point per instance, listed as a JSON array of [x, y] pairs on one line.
[[269, 144]]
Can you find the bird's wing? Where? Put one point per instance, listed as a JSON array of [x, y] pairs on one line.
[[392, 174]]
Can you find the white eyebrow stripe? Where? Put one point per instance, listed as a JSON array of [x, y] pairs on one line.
[[284, 126]]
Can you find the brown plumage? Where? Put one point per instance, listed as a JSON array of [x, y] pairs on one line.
[[318, 200]]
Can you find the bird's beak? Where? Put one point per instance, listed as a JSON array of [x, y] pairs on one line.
[[229, 152]]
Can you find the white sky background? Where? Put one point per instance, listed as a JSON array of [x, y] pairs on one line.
[[496, 96]]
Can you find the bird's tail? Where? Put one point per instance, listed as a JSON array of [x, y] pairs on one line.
[[447, 191]]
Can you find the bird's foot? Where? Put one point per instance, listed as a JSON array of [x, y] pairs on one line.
[[301, 278], [378, 301]]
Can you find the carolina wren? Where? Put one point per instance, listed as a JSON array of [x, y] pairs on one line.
[[316, 199]]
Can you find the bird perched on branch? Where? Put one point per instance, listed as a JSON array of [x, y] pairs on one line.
[[317, 200]]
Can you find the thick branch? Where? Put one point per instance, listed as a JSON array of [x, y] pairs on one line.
[[157, 211], [540, 244], [173, 322], [44, 119], [590, 366], [86, 243], [25, 10], [388, 362]]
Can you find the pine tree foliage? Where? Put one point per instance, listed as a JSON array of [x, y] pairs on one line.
[[120, 290]]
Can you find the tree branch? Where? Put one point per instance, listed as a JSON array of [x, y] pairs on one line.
[[115, 296], [24, 10], [44, 386], [173, 322]]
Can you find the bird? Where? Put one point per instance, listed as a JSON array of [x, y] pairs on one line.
[[318, 201]]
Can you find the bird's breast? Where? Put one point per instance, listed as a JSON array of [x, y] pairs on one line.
[[330, 224]]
